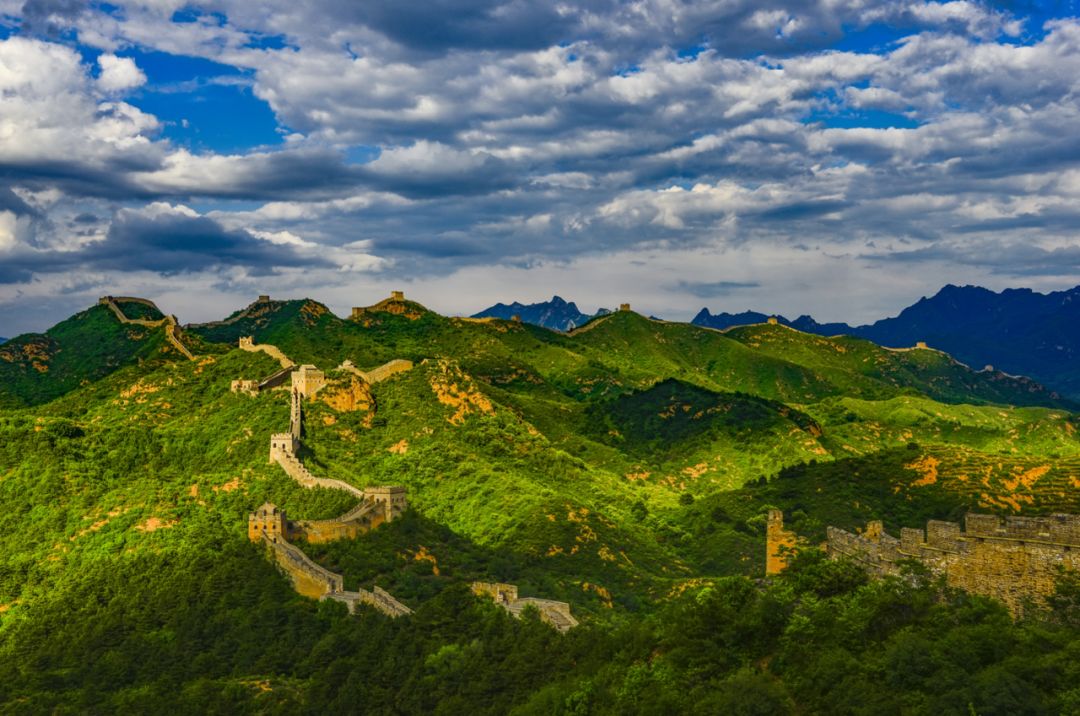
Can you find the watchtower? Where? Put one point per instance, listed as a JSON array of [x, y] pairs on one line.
[[773, 321], [263, 298], [499, 592], [247, 343], [397, 295], [624, 306], [393, 499], [267, 521], [921, 344], [283, 444], [308, 380], [778, 542]]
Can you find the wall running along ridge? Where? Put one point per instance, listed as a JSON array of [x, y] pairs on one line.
[[379, 374], [172, 327], [1015, 560], [555, 613], [270, 525]]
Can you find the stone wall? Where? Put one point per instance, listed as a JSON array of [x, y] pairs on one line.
[[778, 542], [307, 577], [172, 327], [247, 343], [378, 598], [270, 525], [376, 375], [1014, 560], [555, 613]]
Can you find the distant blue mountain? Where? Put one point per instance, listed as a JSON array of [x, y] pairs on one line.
[[3, 340], [556, 314], [1017, 331]]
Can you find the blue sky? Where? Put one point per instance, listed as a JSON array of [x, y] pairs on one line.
[[834, 158]]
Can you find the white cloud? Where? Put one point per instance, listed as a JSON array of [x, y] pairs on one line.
[[119, 73]]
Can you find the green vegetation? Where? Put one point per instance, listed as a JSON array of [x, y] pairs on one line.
[[626, 469]]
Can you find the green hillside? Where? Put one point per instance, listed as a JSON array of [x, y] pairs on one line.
[[625, 469], [38, 367]]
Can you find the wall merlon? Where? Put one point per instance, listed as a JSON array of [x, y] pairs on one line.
[[1015, 560]]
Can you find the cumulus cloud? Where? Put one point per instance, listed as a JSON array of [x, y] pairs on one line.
[[119, 73], [498, 134]]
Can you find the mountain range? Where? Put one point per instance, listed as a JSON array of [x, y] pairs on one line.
[[1018, 331], [556, 314], [626, 468]]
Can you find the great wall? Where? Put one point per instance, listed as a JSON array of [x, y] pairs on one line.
[[1015, 560], [172, 327], [271, 526]]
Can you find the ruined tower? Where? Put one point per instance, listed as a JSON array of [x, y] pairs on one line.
[[778, 542]]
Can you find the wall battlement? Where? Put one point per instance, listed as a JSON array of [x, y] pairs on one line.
[[555, 613], [270, 525], [377, 375], [1015, 559], [172, 327]]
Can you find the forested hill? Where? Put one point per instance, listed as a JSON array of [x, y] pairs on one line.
[[1018, 331], [625, 468]]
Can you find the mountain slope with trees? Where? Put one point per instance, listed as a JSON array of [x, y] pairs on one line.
[[625, 468]]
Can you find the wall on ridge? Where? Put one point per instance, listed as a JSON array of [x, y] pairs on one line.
[[308, 578], [1015, 560]]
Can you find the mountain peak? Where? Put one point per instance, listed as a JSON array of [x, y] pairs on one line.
[[557, 314]]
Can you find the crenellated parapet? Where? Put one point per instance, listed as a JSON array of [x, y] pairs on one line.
[[553, 612], [269, 525], [1015, 559]]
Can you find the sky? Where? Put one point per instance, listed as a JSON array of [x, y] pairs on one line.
[[840, 158]]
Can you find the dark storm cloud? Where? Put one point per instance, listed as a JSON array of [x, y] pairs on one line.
[[10, 201], [174, 243], [439, 247], [164, 241]]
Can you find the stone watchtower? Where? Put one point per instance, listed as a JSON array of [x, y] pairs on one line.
[[308, 380], [624, 306], [393, 499], [269, 522], [263, 299], [247, 343], [397, 295], [778, 542], [285, 444], [772, 321]]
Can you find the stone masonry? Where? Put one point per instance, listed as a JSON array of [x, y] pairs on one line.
[[778, 543], [271, 526], [555, 613], [172, 326], [1014, 560]]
